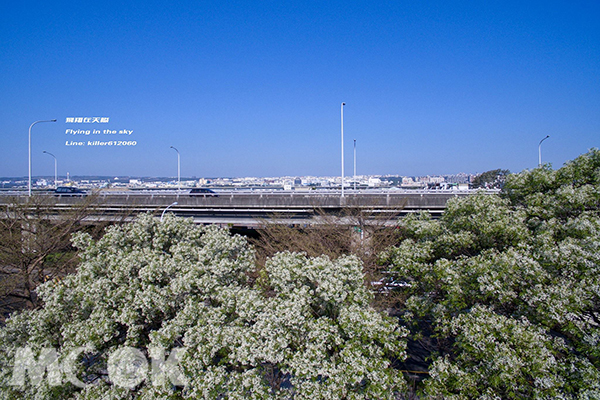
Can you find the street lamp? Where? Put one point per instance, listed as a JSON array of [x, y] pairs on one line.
[[354, 164], [540, 151], [163, 213], [36, 122], [178, 169], [55, 169], [342, 111]]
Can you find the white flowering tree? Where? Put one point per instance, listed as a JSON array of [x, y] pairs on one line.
[[169, 310], [510, 287]]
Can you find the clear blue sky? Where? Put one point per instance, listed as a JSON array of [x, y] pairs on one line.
[[253, 88]]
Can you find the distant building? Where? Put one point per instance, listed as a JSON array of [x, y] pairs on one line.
[[374, 182]]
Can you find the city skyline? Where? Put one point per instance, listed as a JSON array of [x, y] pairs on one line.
[[245, 89], [68, 177]]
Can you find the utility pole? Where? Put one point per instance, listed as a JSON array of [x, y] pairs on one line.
[[343, 104]]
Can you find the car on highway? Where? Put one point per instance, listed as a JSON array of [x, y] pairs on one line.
[[69, 191], [203, 192]]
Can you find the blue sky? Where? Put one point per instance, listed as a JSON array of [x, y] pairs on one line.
[[253, 88]]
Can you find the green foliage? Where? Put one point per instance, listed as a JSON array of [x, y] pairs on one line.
[[510, 286], [524, 364], [561, 194], [304, 328], [491, 179]]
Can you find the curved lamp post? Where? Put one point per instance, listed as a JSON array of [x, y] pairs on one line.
[[178, 169], [163, 213], [540, 151], [36, 122], [55, 169]]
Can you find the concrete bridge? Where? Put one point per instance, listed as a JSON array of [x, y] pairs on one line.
[[251, 209]]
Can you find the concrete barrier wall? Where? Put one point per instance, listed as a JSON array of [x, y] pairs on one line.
[[278, 200]]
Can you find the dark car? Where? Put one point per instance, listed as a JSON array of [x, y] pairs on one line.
[[69, 191], [203, 192]]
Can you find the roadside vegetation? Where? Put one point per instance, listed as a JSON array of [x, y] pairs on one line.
[[35, 246], [509, 287], [304, 328], [500, 298]]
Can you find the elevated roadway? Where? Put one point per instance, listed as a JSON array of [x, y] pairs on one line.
[[251, 209]]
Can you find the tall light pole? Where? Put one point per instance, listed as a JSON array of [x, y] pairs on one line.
[[55, 169], [342, 108], [36, 122], [540, 151], [178, 169], [354, 164]]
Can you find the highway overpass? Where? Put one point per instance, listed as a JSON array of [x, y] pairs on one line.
[[251, 209]]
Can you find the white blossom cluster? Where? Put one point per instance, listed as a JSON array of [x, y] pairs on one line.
[[510, 287], [301, 328], [523, 358]]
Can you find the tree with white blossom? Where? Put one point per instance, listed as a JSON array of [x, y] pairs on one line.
[[169, 310], [509, 287]]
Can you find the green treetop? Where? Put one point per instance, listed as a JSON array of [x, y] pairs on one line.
[[510, 287]]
